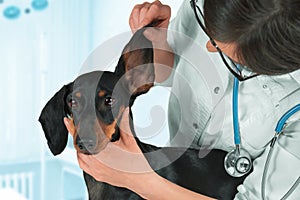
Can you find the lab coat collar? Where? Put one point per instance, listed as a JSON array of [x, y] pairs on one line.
[[296, 75]]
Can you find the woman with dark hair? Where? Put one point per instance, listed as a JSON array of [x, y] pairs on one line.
[[253, 42]]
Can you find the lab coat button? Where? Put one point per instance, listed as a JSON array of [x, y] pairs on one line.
[[217, 90], [265, 86], [195, 125]]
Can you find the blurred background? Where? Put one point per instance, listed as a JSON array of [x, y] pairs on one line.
[[43, 45]]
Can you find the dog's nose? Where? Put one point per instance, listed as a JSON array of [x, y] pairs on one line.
[[85, 145]]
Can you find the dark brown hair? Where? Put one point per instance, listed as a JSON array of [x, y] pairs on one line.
[[267, 32]]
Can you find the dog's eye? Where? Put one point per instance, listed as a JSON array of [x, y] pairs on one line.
[[72, 102], [109, 101]]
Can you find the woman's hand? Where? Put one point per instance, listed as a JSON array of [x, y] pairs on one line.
[[121, 163], [156, 13], [143, 14]]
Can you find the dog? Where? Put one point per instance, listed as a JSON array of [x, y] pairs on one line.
[[96, 101]]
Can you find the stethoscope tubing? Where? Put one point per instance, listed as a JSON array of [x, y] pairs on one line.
[[237, 162], [278, 130], [235, 114], [285, 117]]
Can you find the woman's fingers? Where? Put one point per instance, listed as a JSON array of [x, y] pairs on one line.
[[93, 166], [125, 123], [144, 14], [137, 15], [127, 140], [134, 18], [83, 160], [157, 12], [114, 164]]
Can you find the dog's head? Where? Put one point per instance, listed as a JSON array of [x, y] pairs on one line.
[[96, 100]]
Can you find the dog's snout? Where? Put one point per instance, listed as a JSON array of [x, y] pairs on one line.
[[86, 145]]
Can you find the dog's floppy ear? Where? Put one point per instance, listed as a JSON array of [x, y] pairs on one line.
[[51, 119], [136, 64]]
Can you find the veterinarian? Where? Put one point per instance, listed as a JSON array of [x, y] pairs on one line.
[[262, 39]]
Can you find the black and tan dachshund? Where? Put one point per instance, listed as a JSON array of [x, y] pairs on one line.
[[96, 101]]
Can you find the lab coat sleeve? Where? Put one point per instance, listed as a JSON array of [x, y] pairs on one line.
[[284, 168], [182, 31]]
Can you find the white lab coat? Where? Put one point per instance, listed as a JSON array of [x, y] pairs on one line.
[[200, 112]]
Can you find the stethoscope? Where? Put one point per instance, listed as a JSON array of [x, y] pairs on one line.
[[238, 162]]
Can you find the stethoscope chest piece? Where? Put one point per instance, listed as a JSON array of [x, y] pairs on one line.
[[237, 163]]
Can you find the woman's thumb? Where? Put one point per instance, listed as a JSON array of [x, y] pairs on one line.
[[125, 123], [70, 125]]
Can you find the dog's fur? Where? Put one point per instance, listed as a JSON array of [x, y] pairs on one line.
[[96, 101]]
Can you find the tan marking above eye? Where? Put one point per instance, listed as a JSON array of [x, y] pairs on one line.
[[78, 94], [102, 93]]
